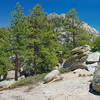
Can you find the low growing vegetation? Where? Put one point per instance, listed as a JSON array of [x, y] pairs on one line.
[[29, 80], [65, 70]]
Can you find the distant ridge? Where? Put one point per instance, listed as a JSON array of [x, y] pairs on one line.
[[85, 25]]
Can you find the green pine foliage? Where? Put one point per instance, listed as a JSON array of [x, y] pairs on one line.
[[4, 51], [17, 36], [42, 43], [96, 44], [83, 38], [77, 33]]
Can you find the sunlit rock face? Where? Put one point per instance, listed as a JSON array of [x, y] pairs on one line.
[[55, 15], [90, 29]]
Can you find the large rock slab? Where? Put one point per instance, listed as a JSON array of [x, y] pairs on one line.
[[51, 76], [96, 80], [93, 57]]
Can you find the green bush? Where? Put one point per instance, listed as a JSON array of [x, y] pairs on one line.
[[96, 44], [65, 70], [29, 80]]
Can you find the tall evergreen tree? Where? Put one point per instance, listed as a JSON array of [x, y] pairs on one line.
[[73, 25], [79, 36], [17, 34], [42, 41]]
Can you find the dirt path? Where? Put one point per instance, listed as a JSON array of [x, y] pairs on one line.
[[71, 87]]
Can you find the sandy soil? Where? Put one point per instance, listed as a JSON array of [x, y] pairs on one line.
[[71, 87]]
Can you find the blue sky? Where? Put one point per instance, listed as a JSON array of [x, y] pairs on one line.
[[88, 10]]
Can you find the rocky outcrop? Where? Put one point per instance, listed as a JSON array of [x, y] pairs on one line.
[[55, 74], [81, 50], [82, 58], [90, 29], [79, 55], [96, 80]]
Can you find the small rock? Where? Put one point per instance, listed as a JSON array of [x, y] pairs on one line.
[[77, 70], [85, 73], [20, 78]]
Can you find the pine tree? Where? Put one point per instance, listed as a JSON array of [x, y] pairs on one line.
[[17, 34], [75, 30], [72, 25], [4, 51], [83, 37], [42, 42]]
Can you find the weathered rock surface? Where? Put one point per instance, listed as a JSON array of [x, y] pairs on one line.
[[82, 58], [51, 76], [96, 80], [71, 87], [79, 55], [7, 83], [83, 49], [91, 67], [90, 29], [92, 61], [11, 74], [93, 57]]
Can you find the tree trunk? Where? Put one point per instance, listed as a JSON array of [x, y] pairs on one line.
[[0, 77], [34, 65], [35, 68], [16, 68], [74, 41], [73, 33]]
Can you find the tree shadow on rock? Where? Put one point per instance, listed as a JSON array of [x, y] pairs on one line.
[[93, 91]]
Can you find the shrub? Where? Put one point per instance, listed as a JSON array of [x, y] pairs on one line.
[[65, 70], [79, 75], [29, 80], [96, 44]]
